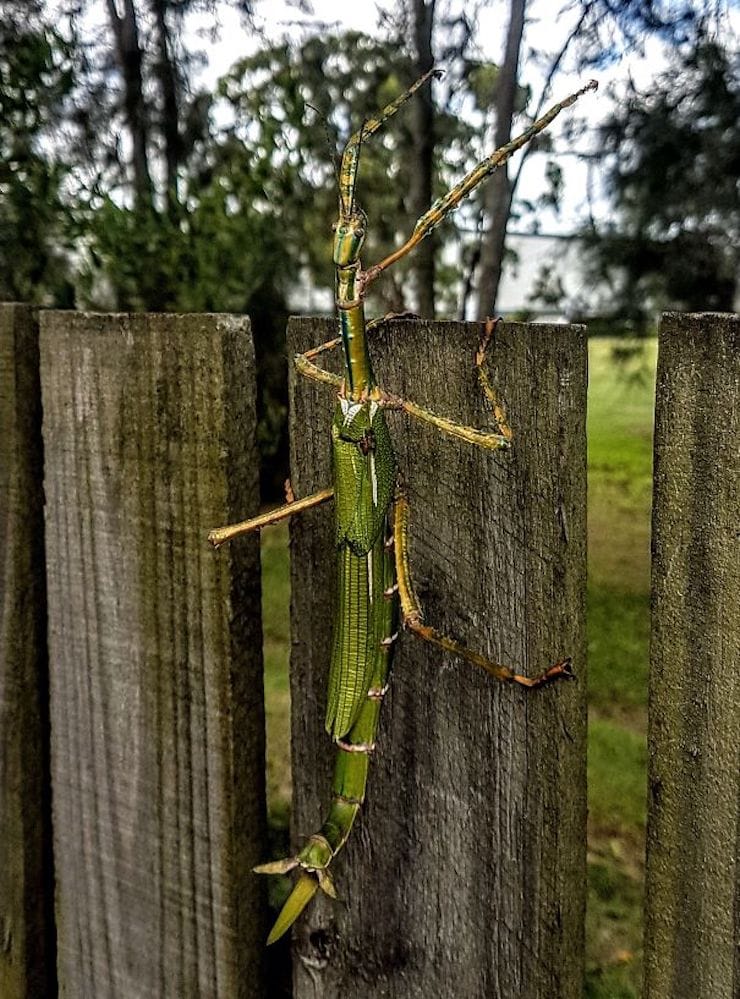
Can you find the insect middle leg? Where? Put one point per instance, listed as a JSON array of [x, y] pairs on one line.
[[220, 535], [412, 618], [484, 380]]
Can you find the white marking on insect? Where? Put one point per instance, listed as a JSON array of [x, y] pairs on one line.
[[355, 747], [370, 575], [352, 410], [374, 480]]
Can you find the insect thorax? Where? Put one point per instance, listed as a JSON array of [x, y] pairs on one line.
[[364, 473]]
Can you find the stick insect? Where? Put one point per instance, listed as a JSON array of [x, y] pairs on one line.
[[375, 593]]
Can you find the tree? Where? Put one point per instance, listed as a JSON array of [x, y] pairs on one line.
[[423, 143], [499, 192], [601, 32], [140, 192], [673, 155], [36, 78]]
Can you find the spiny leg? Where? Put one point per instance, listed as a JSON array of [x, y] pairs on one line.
[[351, 155], [381, 320], [485, 382], [221, 535], [304, 364], [443, 206], [472, 435], [412, 616]]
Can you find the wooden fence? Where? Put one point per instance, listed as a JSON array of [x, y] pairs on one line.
[[132, 712]]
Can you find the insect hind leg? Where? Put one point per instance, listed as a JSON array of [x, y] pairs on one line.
[[413, 620]]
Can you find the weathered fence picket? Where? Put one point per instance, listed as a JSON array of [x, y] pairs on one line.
[[692, 941], [466, 873], [26, 884], [155, 655]]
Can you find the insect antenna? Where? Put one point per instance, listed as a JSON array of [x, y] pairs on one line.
[[350, 156], [359, 150], [333, 155]]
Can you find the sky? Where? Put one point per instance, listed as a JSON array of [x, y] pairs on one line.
[[543, 31], [583, 193]]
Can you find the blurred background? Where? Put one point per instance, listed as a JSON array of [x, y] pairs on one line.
[[179, 155]]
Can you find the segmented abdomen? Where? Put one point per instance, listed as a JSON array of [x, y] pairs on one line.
[[364, 618]]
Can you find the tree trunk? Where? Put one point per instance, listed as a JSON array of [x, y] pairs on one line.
[[128, 51], [167, 76], [422, 128], [498, 192]]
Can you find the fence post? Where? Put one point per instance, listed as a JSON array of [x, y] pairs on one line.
[[155, 655], [466, 873], [692, 925], [26, 882]]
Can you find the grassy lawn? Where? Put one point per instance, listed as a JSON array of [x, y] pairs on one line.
[[620, 419], [276, 639], [620, 456]]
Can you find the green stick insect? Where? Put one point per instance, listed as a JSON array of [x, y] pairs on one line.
[[371, 516]]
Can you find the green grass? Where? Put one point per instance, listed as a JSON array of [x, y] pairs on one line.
[[620, 419], [276, 638], [620, 481]]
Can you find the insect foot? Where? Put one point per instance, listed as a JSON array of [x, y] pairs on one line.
[[562, 670], [313, 860]]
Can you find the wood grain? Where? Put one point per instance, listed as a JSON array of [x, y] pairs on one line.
[[466, 873], [155, 655], [692, 942], [27, 966]]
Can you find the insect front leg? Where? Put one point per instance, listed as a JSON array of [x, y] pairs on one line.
[[471, 435], [305, 364], [374, 324]]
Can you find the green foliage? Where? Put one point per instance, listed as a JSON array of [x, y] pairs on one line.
[[483, 80], [674, 155], [293, 110], [211, 256], [617, 762], [620, 480], [36, 77], [276, 634]]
